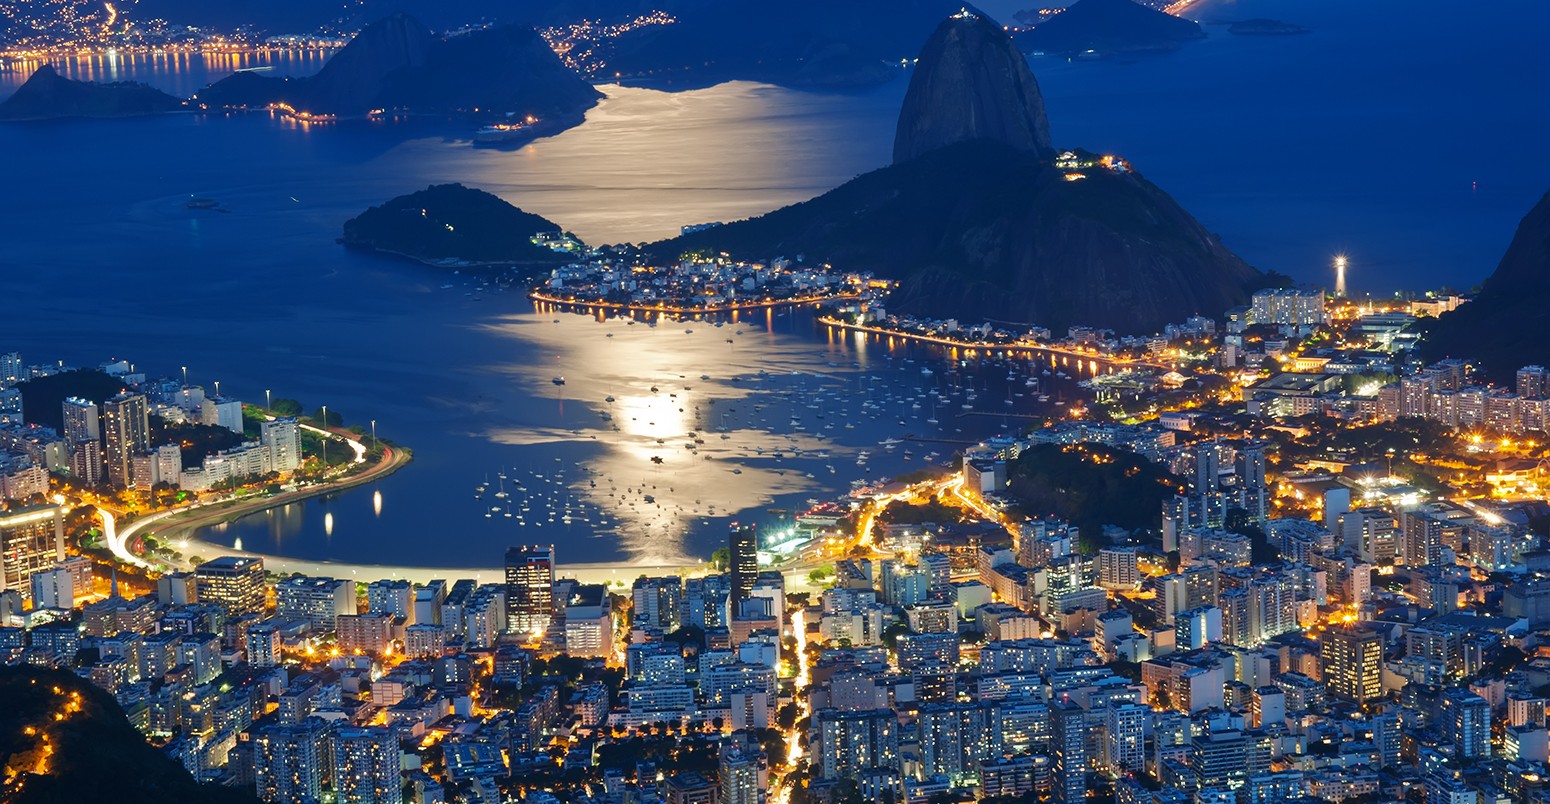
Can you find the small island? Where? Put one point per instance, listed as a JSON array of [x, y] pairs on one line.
[[47, 95], [1102, 27], [1265, 27], [452, 226]]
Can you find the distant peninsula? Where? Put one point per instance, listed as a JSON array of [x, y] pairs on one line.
[[47, 95], [452, 226], [398, 65], [506, 77], [807, 44], [1107, 27]]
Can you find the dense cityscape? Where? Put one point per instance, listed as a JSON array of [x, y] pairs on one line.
[[1339, 601], [1145, 523]]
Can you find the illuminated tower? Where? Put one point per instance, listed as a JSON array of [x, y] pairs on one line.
[[1340, 276], [1352, 656], [529, 589], [32, 540], [127, 427]]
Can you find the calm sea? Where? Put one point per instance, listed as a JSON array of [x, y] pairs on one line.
[[1401, 138]]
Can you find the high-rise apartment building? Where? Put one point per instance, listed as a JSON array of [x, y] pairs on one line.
[[852, 744], [743, 772], [658, 603], [32, 540], [1068, 740], [53, 589], [82, 422], [220, 411], [954, 737], [126, 426], [235, 583], [289, 761], [529, 589], [1124, 737], [319, 601], [86, 462], [1119, 568], [1352, 659], [11, 368], [367, 766], [1467, 719], [282, 437]]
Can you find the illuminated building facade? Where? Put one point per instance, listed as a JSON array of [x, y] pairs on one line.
[[235, 583], [367, 768], [32, 540], [1352, 659], [1068, 739], [127, 432], [288, 761], [529, 589]]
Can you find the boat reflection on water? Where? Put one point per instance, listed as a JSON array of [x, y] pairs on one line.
[[686, 427]]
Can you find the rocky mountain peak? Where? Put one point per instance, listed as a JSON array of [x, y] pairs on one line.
[[971, 83]]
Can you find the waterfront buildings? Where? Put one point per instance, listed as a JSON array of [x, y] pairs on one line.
[[529, 590], [589, 621], [234, 583], [314, 601], [277, 451], [218, 411]]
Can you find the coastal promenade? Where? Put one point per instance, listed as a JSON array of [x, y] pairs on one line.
[[1063, 354], [182, 525], [795, 301], [178, 526]]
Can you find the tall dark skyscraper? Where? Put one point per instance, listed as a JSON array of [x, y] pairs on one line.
[[743, 559], [529, 589]]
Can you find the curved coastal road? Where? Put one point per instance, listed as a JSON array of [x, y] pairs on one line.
[[200, 514]]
